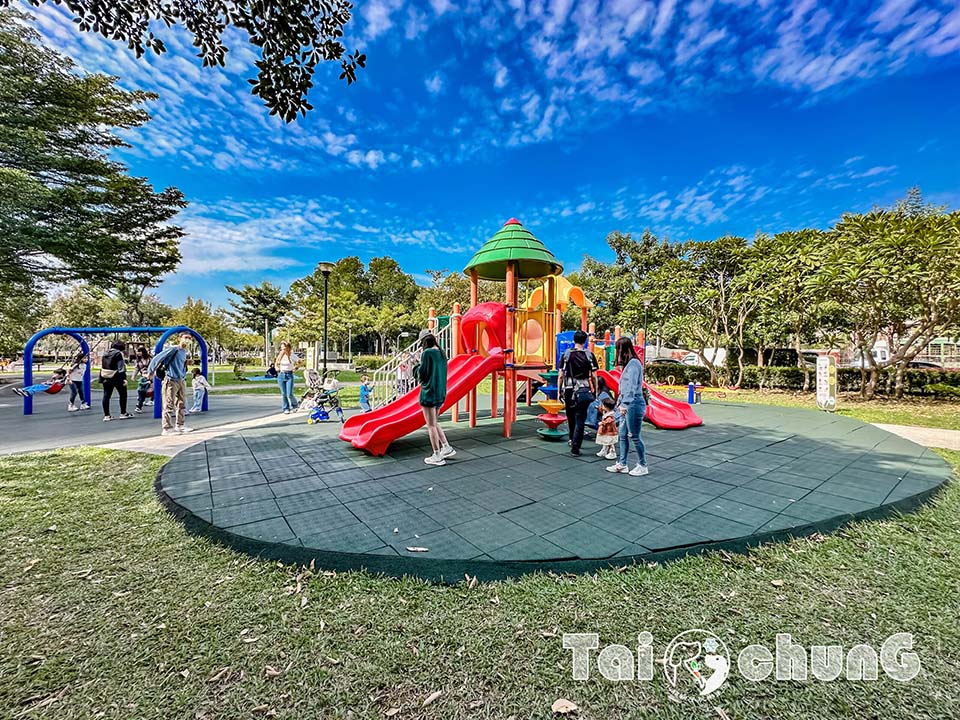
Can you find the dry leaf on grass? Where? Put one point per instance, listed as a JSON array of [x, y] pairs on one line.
[[271, 671], [219, 675], [391, 712], [303, 601], [562, 706], [432, 697], [777, 583], [721, 714]]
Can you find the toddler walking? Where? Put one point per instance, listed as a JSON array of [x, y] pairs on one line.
[[200, 387], [607, 433]]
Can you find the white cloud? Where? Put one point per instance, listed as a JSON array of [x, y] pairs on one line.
[[434, 84], [377, 16]]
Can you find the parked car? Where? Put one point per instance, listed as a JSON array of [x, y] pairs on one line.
[[663, 361], [923, 365]]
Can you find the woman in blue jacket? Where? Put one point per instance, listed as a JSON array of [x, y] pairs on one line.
[[630, 408]]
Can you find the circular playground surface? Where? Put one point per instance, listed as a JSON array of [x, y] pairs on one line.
[[503, 508]]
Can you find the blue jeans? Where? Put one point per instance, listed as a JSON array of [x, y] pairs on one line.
[[631, 424], [198, 394], [285, 381], [365, 406]]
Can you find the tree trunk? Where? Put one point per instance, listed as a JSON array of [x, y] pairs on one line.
[[871, 386], [801, 363], [898, 385]]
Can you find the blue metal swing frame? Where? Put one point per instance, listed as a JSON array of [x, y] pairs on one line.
[[77, 334]]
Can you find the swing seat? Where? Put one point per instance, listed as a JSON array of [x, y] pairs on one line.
[[54, 389]]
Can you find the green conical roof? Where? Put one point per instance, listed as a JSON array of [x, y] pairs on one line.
[[514, 242]]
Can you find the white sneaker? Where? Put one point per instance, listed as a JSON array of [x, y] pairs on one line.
[[171, 431], [612, 454], [618, 468], [447, 452], [184, 429], [435, 459], [639, 470], [138, 411], [286, 412], [107, 418], [72, 408], [603, 451], [126, 416], [84, 406]]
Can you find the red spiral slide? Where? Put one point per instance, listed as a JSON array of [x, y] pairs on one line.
[[662, 412]]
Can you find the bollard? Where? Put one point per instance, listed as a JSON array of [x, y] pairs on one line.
[[691, 392]]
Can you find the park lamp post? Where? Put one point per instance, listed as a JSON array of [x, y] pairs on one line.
[[647, 302], [350, 344], [325, 269], [401, 335]]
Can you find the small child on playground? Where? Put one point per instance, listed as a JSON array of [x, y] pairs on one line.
[[200, 388], [365, 388], [75, 378], [143, 392], [607, 433], [59, 377]]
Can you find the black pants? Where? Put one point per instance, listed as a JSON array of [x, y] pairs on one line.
[[121, 387], [577, 405]]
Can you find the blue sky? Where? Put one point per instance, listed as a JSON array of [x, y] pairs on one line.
[[693, 119]]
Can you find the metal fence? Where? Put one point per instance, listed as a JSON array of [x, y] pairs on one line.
[[391, 381]]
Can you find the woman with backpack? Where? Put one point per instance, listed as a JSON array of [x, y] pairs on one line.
[[113, 376], [578, 378], [631, 407]]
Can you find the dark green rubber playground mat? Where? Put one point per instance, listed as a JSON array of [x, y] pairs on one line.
[[502, 508]]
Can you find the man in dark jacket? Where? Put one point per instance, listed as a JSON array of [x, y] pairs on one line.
[[577, 379]]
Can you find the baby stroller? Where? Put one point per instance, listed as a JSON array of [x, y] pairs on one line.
[[322, 396]]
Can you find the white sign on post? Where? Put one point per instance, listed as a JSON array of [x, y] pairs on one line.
[[827, 382]]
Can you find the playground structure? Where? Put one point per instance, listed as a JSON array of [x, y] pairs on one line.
[[77, 333], [512, 341]]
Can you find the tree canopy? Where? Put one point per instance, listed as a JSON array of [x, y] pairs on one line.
[[294, 38], [67, 211]]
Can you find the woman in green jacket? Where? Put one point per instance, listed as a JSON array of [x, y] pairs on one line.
[[432, 372]]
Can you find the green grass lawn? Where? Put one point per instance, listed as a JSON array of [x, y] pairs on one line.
[[109, 609], [909, 411]]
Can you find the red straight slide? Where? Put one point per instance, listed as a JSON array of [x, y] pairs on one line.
[[662, 412], [375, 431]]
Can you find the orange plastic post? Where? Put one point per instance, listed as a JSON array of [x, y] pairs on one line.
[[529, 393], [616, 333], [474, 287], [550, 339], [592, 330], [493, 394], [583, 318], [432, 321], [509, 380]]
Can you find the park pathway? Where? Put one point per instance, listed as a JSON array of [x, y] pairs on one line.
[[928, 437]]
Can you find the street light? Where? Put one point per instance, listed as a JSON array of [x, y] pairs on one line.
[[401, 335], [647, 302], [325, 269]]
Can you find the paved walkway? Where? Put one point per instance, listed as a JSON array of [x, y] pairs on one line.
[[928, 437]]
